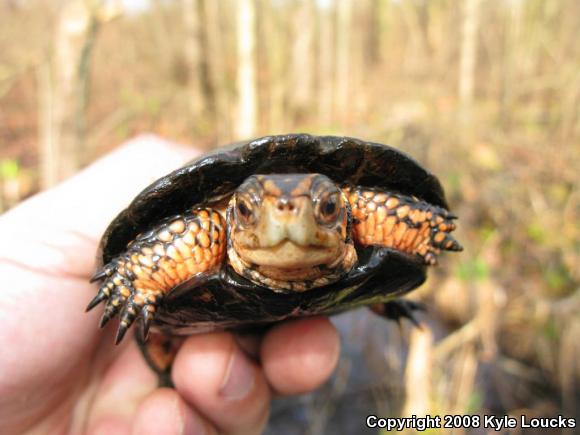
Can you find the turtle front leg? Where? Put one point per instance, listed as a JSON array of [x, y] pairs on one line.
[[180, 248], [402, 223]]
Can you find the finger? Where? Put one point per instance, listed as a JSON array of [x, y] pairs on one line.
[[125, 384], [165, 412], [58, 230], [298, 356], [214, 376]]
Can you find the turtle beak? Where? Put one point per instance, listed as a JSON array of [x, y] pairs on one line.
[[288, 219]]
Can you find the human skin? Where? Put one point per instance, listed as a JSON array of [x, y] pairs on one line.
[[60, 374]]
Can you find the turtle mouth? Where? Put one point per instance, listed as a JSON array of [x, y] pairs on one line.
[[290, 255]]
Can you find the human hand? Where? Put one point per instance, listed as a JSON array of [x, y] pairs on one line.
[[60, 374]]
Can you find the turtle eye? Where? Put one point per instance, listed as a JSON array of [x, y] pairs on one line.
[[328, 208], [244, 212]]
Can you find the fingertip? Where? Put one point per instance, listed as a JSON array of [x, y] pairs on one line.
[[164, 411], [300, 355], [214, 375]]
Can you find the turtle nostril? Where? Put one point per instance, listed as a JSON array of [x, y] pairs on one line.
[[285, 204]]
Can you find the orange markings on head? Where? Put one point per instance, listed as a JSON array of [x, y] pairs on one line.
[[303, 187]]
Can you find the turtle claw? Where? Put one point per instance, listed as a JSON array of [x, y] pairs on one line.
[[127, 318], [146, 319], [105, 272], [99, 274], [100, 297], [107, 315], [123, 299], [400, 309], [121, 332], [448, 243]]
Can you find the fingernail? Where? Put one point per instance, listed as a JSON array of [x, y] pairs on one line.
[[239, 378]]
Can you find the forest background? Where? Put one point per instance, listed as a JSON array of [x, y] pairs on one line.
[[484, 94]]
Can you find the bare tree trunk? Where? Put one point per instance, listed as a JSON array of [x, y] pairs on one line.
[[467, 59], [67, 90], [301, 77], [274, 62], [510, 65], [343, 57], [418, 373], [373, 34], [217, 71], [325, 67], [246, 81], [193, 53], [48, 152]]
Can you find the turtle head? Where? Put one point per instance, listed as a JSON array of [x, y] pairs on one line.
[[289, 229]]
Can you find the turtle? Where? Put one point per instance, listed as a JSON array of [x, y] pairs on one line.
[[267, 230]]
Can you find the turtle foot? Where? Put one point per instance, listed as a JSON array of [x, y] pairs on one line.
[[399, 309], [123, 299]]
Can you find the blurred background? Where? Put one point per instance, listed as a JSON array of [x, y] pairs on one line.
[[486, 94]]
